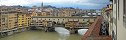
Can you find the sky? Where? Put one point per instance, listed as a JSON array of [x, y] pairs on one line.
[[82, 4]]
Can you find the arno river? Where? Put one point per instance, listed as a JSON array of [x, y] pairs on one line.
[[39, 35]]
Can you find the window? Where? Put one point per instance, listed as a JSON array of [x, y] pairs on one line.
[[3, 19], [14, 25], [118, 10], [83, 19], [124, 14], [115, 1], [63, 19], [124, 8]]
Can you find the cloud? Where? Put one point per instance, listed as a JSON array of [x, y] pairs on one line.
[[93, 3], [14, 2], [25, 2], [78, 2], [53, 1]]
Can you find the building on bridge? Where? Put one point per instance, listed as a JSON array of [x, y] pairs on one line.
[[67, 22]]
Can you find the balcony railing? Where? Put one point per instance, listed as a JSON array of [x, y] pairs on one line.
[[94, 30]]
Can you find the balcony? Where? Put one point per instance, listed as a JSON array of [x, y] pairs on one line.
[[94, 30]]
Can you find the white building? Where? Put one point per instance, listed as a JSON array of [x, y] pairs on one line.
[[119, 19]]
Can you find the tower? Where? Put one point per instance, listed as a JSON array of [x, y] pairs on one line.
[[42, 4]]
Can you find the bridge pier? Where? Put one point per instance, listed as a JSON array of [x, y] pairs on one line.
[[10, 32], [4, 34], [72, 30], [48, 29]]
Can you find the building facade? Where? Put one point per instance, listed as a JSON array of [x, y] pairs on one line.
[[119, 17], [8, 20], [12, 19], [117, 20], [64, 20]]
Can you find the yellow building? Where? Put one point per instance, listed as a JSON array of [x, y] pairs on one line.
[[22, 22], [28, 20], [34, 13], [65, 13], [12, 20], [8, 19], [45, 14], [8, 22]]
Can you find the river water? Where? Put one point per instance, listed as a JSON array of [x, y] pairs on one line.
[[39, 35]]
